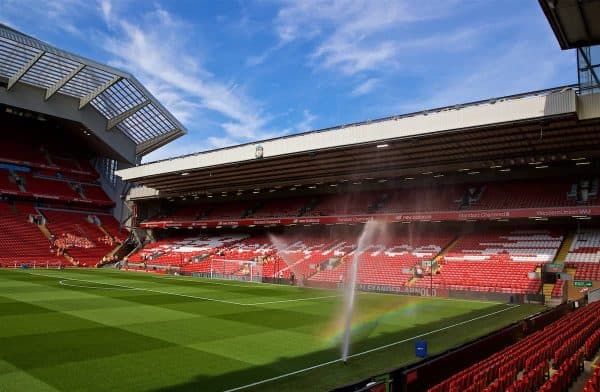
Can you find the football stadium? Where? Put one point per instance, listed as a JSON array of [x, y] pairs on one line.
[[451, 249]]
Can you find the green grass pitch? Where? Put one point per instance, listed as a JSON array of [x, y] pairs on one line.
[[98, 330]]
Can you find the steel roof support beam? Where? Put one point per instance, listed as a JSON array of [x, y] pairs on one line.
[[91, 96], [54, 89], [26, 67], [112, 122], [589, 66], [158, 141]]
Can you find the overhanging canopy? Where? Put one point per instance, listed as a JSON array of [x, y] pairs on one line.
[[576, 23], [118, 96], [549, 126]]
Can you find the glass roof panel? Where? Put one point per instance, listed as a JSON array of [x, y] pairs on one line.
[[112, 92]]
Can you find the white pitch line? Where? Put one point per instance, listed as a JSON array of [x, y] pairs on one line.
[[294, 300], [142, 289], [204, 280], [175, 294], [62, 282], [424, 297], [368, 351]]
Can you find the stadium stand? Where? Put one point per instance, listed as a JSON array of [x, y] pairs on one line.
[[95, 193], [229, 210], [112, 227], [525, 365], [182, 251], [41, 186], [509, 245], [585, 248], [22, 242], [299, 255], [79, 234], [448, 198], [37, 165], [295, 206], [507, 195], [557, 290], [491, 276], [19, 151], [524, 194], [387, 264], [5, 182], [346, 204], [584, 255], [498, 261], [317, 257], [45, 178], [593, 384], [586, 271]]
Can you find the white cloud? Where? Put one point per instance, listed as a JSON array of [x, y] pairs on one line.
[[354, 35], [106, 9], [57, 15], [157, 51], [504, 74], [365, 87], [306, 124], [255, 60]]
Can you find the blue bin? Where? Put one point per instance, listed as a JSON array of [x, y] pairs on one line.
[[421, 348]]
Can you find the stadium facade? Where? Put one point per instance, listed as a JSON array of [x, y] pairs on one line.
[[495, 200]]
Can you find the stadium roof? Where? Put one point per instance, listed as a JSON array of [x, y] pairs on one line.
[[118, 96], [549, 124], [576, 23]]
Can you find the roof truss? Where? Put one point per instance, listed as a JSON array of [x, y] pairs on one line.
[[91, 96], [58, 85], [126, 105], [112, 123], [26, 67]]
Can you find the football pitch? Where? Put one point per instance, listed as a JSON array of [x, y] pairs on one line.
[[105, 330]]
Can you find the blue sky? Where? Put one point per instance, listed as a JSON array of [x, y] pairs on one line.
[[240, 71]]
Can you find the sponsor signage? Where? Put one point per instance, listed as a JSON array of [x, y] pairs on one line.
[[551, 267], [582, 283], [407, 217]]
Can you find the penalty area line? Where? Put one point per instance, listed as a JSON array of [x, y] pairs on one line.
[[115, 285], [369, 351], [293, 300], [141, 289]]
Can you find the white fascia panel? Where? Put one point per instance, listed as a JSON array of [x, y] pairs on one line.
[[487, 113]]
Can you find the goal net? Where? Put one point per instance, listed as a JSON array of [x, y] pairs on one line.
[[231, 269]]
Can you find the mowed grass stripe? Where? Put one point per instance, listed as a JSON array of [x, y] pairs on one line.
[[49, 354], [250, 295], [213, 346]]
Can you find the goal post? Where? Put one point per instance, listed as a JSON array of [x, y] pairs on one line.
[[232, 269]]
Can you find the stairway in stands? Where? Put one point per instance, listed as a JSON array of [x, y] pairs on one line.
[[88, 248], [447, 248], [440, 256], [561, 255], [21, 242], [553, 291], [547, 291]]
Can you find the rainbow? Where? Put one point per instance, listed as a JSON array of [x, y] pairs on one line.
[[367, 319]]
